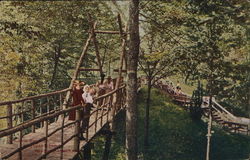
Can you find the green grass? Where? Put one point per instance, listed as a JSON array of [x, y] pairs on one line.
[[174, 136]]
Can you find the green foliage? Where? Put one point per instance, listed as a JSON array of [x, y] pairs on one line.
[[42, 41], [173, 134]]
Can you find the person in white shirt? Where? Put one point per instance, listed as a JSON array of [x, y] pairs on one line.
[[87, 96], [88, 99]]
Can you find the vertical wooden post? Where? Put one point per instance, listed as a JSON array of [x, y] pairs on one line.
[[60, 101], [96, 115], [209, 129], [46, 138], [87, 129], [9, 123], [41, 112], [20, 156], [48, 104], [87, 151], [102, 112], [93, 26], [109, 105], [107, 144], [33, 114], [122, 55], [62, 132], [77, 132]]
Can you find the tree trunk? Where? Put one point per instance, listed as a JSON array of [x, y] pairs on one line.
[[146, 120], [56, 59], [131, 113]]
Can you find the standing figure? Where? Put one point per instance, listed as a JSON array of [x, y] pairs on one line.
[[88, 99], [77, 98], [110, 84]]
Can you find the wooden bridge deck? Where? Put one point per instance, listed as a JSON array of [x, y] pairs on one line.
[[54, 141], [59, 140]]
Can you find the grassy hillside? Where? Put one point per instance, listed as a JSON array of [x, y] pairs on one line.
[[174, 136]]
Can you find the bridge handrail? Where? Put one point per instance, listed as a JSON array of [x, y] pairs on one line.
[[34, 97], [46, 118], [32, 122], [222, 108], [107, 94]]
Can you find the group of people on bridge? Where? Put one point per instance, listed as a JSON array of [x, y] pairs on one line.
[[171, 89], [83, 94]]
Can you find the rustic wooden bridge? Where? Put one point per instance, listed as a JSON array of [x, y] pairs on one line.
[[38, 126], [220, 115], [52, 135]]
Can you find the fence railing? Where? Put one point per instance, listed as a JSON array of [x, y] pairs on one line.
[[106, 106], [30, 108]]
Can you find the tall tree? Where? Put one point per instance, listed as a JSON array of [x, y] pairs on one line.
[[132, 57], [157, 62]]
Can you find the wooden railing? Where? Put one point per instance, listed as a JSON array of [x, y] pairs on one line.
[[171, 92], [30, 108], [229, 120], [105, 105], [237, 127]]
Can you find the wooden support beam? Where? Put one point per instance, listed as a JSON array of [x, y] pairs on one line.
[[89, 69], [107, 145], [123, 50], [85, 48], [87, 151], [99, 62]]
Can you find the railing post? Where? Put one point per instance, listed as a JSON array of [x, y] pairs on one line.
[[96, 115], [86, 118], [9, 123], [41, 112], [109, 106], [20, 156], [33, 114], [102, 113], [62, 132], [77, 132], [60, 101], [21, 111], [46, 138], [48, 105]]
